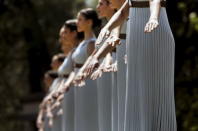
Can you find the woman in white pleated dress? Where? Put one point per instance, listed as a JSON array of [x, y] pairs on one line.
[[68, 39], [119, 109], [150, 102], [86, 106], [150, 70], [104, 82], [56, 125], [72, 38]]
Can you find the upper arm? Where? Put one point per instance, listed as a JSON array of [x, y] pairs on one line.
[[125, 9]]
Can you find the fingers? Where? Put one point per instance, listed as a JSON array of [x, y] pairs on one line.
[[147, 28], [111, 68], [114, 68], [39, 124], [60, 112], [93, 76], [96, 74], [151, 25], [155, 25], [113, 40], [107, 68], [50, 123], [100, 74], [104, 34], [91, 68], [81, 84]]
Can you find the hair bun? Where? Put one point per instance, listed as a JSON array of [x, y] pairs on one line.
[[90, 13]]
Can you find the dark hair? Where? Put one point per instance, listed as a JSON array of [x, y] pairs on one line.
[[90, 13], [52, 74], [61, 58], [72, 25]]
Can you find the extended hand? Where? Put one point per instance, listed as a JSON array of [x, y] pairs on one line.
[[94, 63], [96, 74], [39, 122], [79, 79], [151, 25], [111, 68], [113, 40], [104, 34]]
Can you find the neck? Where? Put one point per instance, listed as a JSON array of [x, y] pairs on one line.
[[88, 34], [75, 43], [110, 15]]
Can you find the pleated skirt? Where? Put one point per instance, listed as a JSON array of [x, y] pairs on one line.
[[46, 125], [121, 84], [86, 107], [104, 102], [150, 102], [114, 99], [57, 124], [68, 110]]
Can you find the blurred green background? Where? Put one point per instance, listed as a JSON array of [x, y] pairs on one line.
[[29, 38]]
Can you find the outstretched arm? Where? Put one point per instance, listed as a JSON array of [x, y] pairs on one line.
[[119, 17]]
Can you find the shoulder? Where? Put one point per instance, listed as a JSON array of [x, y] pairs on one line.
[[92, 41]]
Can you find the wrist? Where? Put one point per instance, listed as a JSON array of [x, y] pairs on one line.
[[153, 18]]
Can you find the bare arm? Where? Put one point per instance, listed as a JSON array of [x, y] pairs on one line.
[[119, 17], [154, 15], [106, 47], [154, 9]]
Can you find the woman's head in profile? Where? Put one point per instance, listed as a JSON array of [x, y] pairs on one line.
[[87, 19]]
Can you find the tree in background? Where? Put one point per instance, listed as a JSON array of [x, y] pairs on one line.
[[184, 22], [28, 38]]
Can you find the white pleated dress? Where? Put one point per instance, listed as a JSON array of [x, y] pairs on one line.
[[68, 102], [46, 125], [86, 106], [150, 74], [114, 98], [57, 119], [104, 86], [121, 78], [46, 120], [104, 101]]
